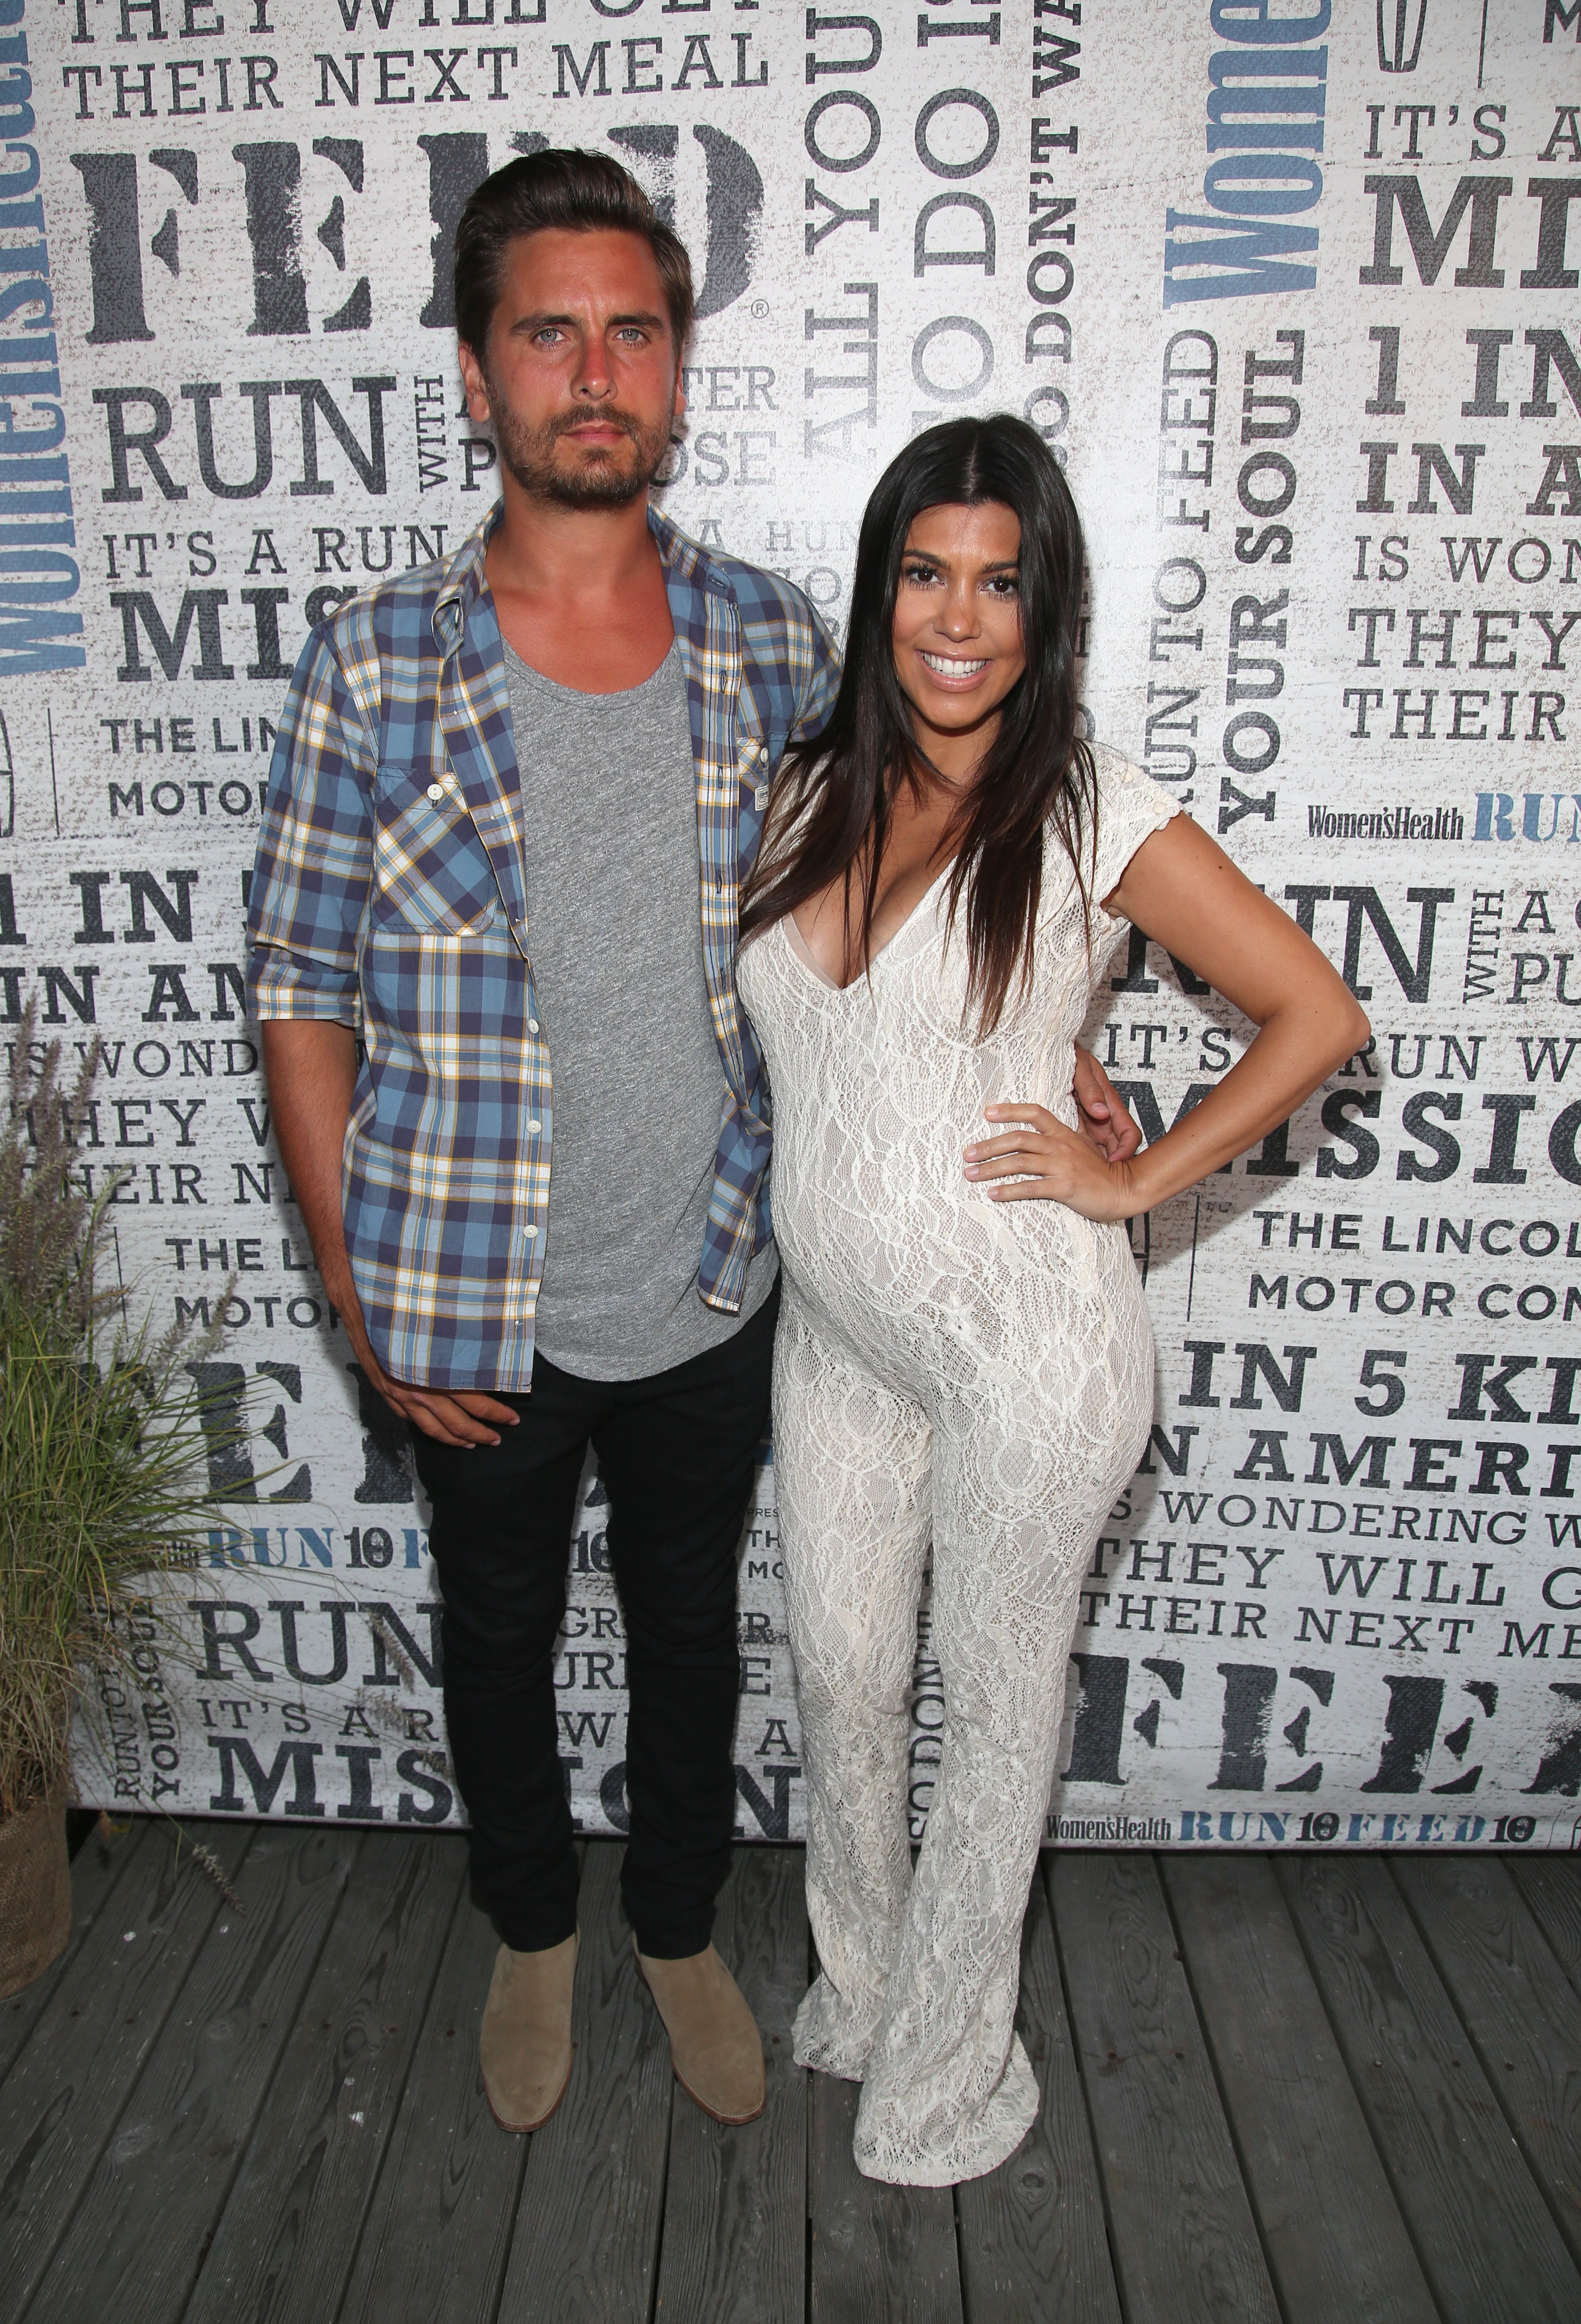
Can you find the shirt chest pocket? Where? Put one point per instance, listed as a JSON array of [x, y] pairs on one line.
[[430, 867]]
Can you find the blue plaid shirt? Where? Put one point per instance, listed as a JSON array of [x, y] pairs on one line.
[[389, 895]]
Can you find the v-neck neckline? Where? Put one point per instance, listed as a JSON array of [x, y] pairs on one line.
[[803, 952]]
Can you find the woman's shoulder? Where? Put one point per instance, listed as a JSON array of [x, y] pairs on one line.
[[1125, 808], [1121, 780]]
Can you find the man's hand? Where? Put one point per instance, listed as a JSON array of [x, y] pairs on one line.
[[1102, 1111], [461, 1417], [311, 1068]]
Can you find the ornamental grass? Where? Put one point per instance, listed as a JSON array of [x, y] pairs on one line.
[[103, 1476]]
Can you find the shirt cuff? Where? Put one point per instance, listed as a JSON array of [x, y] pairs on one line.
[[285, 985]]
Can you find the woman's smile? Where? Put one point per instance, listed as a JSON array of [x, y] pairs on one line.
[[953, 671]]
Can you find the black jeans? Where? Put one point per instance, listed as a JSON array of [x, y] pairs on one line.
[[676, 1455]]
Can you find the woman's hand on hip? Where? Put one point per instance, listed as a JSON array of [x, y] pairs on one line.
[[1035, 1158]]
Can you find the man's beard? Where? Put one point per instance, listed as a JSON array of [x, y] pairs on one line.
[[601, 479]]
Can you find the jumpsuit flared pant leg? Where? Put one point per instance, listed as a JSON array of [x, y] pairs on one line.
[[853, 1636], [920, 1974]]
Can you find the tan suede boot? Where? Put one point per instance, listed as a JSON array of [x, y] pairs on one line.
[[525, 2045], [715, 2047]]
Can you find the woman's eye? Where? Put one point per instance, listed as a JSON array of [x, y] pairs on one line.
[[1006, 585], [919, 575]]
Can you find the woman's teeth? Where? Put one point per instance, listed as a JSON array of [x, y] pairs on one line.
[[948, 667]]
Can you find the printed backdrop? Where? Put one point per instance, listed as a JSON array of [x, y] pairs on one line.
[[1292, 290]]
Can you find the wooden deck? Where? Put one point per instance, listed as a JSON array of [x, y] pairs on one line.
[[1312, 2088]]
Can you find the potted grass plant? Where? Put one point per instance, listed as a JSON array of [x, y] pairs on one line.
[[101, 1481]]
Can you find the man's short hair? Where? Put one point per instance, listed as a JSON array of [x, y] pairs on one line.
[[578, 192]]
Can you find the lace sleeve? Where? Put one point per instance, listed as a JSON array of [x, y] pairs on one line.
[[1131, 807]]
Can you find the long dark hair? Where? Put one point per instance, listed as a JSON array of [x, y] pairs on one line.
[[834, 796]]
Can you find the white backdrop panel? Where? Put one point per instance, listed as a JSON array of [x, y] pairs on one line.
[[1295, 295]]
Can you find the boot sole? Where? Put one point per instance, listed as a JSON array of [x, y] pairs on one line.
[[524, 2129], [729, 2121]]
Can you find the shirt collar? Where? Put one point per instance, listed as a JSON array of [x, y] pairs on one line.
[[464, 578], [463, 584]]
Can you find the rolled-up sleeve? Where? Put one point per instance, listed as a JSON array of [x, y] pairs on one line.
[[314, 864]]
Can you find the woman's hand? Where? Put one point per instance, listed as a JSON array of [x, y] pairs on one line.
[[1040, 1160]]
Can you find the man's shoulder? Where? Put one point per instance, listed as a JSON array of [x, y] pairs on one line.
[[762, 597], [393, 620], [767, 596]]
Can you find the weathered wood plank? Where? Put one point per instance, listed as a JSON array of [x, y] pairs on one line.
[[287, 2235], [880, 2254], [95, 1868], [61, 2102], [1305, 2148], [1185, 2244], [587, 2227], [735, 2239], [152, 2204], [1489, 2249], [1516, 2004], [439, 2230], [1032, 2239], [1551, 1888]]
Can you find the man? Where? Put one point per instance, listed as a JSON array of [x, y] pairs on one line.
[[513, 797]]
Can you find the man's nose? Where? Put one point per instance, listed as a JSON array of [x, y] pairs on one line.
[[591, 373]]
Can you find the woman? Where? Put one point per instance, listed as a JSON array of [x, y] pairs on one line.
[[964, 1357]]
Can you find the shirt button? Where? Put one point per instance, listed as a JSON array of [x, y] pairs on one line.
[[435, 790], [534, 1127], [763, 752], [529, 1232], [532, 1024]]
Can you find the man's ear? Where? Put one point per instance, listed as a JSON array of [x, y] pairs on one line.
[[680, 388], [474, 382]]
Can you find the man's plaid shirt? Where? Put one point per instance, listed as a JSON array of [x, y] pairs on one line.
[[389, 895]]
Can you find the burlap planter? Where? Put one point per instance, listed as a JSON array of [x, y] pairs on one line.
[[35, 1891]]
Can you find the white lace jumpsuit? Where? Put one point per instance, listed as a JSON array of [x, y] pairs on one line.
[[949, 1370]]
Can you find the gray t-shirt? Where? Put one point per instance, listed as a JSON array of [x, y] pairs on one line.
[[636, 1088]]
